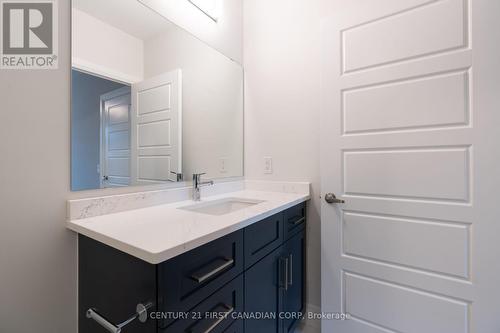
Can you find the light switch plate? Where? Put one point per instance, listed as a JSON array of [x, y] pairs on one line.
[[268, 165], [223, 165]]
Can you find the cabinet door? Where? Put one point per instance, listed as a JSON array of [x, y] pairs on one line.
[[113, 283], [263, 294], [236, 327], [293, 299], [262, 238]]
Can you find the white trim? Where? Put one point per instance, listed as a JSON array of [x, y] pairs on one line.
[[309, 325], [104, 72], [179, 120]]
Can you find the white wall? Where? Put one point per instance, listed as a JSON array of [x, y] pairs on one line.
[[38, 282], [225, 35], [105, 50], [282, 102], [212, 115]]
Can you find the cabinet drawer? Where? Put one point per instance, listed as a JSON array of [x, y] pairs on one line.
[[186, 280], [262, 238], [216, 314], [295, 220]]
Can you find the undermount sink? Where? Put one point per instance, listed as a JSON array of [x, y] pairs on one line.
[[222, 206]]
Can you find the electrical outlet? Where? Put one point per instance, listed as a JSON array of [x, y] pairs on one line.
[[268, 165], [223, 165]]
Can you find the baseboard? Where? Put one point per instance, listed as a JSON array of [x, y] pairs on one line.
[[310, 325]]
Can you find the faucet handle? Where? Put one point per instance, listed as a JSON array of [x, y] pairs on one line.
[[178, 175], [197, 176]]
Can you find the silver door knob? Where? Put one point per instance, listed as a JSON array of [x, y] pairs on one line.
[[331, 198]]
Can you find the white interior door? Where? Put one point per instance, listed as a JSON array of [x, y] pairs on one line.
[[157, 129], [115, 138], [411, 110]]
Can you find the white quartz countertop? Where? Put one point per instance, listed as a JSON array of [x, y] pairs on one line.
[[158, 233]]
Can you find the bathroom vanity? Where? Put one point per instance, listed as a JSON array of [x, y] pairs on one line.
[[173, 256], [231, 263]]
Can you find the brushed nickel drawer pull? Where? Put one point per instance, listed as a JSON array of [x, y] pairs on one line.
[[221, 318], [141, 314], [287, 274], [299, 221], [215, 271]]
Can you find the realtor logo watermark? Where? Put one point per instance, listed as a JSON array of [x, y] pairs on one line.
[[29, 34]]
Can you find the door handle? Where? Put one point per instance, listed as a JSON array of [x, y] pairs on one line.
[[331, 198]]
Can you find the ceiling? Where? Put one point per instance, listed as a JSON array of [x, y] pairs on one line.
[[129, 16]]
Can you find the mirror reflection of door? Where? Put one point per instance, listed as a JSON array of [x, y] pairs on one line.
[[178, 124], [115, 142], [156, 129]]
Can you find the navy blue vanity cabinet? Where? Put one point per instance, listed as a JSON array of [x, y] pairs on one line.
[[249, 281], [113, 283], [295, 220], [274, 282], [263, 293], [236, 327], [275, 288], [186, 280], [263, 237], [294, 294], [215, 314]]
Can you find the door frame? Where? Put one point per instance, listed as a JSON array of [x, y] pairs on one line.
[[102, 126]]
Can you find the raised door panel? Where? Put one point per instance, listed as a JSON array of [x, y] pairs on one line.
[[422, 103], [402, 308], [403, 35]]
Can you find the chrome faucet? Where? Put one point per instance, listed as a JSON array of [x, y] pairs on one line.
[[197, 184]]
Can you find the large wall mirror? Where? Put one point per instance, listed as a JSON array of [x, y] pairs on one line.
[[151, 103]]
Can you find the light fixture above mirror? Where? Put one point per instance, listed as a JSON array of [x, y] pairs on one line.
[[211, 8]]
